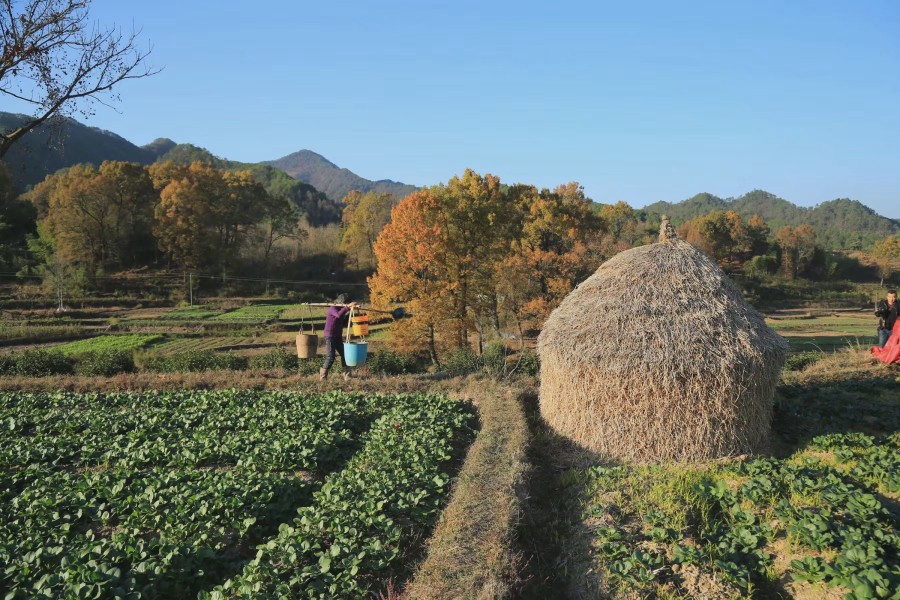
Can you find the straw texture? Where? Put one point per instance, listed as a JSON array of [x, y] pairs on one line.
[[657, 357]]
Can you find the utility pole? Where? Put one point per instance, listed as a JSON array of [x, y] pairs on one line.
[[191, 287], [59, 289]]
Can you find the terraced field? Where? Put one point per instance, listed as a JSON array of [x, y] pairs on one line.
[[213, 343], [825, 332]]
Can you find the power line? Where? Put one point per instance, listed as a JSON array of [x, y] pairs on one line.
[[201, 276]]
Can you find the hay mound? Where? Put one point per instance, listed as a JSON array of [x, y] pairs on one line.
[[657, 357]]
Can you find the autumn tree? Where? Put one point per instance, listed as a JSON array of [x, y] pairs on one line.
[[555, 245], [411, 270], [281, 222], [623, 228], [726, 237], [205, 217], [797, 248], [130, 191], [438, 254], [757, 236], [98, 217], [55, 59], [887, 256], [81, 219], [363, 218]]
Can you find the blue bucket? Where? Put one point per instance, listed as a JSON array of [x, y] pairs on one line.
[[355, 353]]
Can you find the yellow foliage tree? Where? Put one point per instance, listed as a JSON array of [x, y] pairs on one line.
[[887, 256], [363, 218]]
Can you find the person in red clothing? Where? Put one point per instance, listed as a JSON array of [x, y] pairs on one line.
[[888, 348], [891, 351], [338, 317]]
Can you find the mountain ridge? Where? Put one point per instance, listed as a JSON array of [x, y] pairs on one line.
[[839, 223], [68, 142], [336, 182]]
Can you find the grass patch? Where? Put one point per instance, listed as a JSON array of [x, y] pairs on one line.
[[129, 342], [39, 333], [260, 313], [472, 553]]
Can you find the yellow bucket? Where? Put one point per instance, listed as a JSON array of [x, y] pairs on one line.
[[360, 325]]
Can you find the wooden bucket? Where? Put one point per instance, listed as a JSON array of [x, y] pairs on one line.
[[307, 343], [360, 325]]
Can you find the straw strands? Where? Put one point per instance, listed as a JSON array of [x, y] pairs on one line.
[[657, 357]]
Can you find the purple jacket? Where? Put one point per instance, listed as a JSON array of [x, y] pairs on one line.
[[335, 322]]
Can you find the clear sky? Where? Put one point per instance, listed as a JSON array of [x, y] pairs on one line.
[[638, 101]]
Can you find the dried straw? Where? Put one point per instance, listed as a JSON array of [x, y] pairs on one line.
[[657, 357]]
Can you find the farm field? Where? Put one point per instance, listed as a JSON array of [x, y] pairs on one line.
[[816, 517], [820, 331], [237, 494], [328, 493], [247, 329]]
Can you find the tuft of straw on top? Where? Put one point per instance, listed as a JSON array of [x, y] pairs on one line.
[[657, 356]]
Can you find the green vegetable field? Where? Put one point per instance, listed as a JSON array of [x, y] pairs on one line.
[[219, 493], [826, 512], [108, 342]]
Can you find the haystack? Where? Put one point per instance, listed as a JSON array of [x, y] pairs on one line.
[[657, 357]]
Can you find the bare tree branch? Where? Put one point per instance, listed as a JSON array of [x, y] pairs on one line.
[[51, 57]]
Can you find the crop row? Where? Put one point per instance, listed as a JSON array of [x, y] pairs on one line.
[[254, 312], [118, 532], [168, 494], [360, 531], [263, 431], [125, 343]]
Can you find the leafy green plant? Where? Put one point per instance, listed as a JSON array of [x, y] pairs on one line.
[[528, 363], [168, 494], [104, 362], [385, 362], [128, 342], [194, 361], [461, 361], [36, 363], [801, 360], [278, 358]]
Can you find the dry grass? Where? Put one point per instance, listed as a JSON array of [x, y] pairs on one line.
[[853, 362], [658, 357], [471, 554]]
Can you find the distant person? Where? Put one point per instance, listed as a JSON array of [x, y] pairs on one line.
[[890, 353], [338, 317], [886, 311]]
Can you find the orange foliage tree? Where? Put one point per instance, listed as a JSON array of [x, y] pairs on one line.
[[726, 237], [98, 217], [554, 246], [205, 215], [467, 255], [797, 247]]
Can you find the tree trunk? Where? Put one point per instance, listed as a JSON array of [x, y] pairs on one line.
[[432, 347]]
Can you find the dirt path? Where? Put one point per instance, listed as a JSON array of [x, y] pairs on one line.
[[553, 539]]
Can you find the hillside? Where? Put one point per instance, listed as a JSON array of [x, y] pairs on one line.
[[64, 143], [317, 207], [336, 182], [839, 224]]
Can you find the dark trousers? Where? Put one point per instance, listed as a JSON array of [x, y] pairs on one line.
[[333, 345], [883, 335]]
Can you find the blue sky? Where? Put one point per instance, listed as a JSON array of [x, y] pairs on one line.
[[638, 101]]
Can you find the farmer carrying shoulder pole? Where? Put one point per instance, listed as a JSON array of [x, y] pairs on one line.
[[338, 318]]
